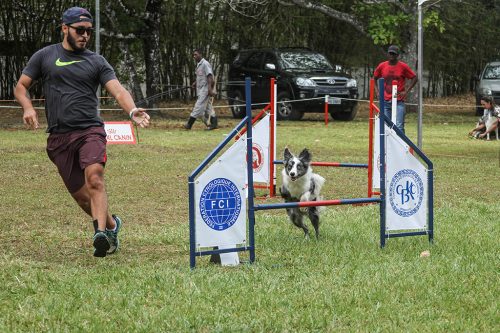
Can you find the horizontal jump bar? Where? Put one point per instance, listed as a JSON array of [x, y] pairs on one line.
[[403, 234], [333, 164], [210, 252], [317, 203]]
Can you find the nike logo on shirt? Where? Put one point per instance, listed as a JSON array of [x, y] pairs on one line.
[[60, 63]]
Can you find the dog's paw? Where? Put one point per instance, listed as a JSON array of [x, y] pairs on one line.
[[305, 197]]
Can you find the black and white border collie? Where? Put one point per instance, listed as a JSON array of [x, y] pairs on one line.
[[301, 184]]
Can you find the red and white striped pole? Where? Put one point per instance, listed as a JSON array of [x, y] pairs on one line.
[[371, 119], [394, 104], [326, 110], [272, 138]]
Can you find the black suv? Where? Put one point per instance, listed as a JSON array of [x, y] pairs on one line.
[[301, 75]]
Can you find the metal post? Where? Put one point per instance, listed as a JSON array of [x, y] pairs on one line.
[[420, 67], [192, 226], [382, 162], [251, 209], [97, 36]]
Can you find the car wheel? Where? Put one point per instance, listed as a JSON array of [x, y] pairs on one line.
[[285, 109], [345, 115], [237, 105]]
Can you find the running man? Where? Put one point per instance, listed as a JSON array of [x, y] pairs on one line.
[[76, 144]]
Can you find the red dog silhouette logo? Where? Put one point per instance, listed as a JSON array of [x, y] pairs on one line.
[[257, 157]]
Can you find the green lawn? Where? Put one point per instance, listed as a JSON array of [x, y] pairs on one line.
[[50, 282]]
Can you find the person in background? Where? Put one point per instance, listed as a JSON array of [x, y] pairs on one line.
[[490, 110], [76, 144], [395, 70], [205, 90]]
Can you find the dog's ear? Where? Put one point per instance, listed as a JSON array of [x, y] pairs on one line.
[[287, 154], [305, 155]]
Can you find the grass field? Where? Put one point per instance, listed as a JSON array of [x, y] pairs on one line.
[[343, 282]]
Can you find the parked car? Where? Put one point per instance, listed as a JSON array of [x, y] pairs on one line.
[[489, 84], [301, 74]]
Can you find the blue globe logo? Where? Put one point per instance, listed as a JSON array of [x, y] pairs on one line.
[[220, 204]]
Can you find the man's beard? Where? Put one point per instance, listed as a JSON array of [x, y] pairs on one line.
[[74, 46]]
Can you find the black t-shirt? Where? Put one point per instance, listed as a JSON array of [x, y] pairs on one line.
[[70, 82]]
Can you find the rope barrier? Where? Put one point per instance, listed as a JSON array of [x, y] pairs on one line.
[[238, 83], [462, 106], [43, 99]]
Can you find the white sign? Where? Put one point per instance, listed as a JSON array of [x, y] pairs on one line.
[[334, 101], [221, 214], [260, 150], [406, 186], [230, 258], [119, 132]]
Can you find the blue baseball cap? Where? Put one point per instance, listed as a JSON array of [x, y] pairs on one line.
[[393, 49], [74, 14]]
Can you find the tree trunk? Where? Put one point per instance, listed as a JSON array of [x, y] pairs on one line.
[[134, 79], [151, 48]]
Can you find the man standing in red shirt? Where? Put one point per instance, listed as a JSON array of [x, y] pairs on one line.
[[395, 70]]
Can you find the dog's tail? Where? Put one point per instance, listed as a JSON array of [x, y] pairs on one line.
[[318, 182]]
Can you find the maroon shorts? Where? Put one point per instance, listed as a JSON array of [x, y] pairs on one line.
[[72, 152]]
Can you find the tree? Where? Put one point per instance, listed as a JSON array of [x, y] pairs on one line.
[[146, 27], [384, 21], [150, 42], [25, 27]]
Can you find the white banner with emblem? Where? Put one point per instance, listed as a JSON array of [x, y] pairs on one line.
[[406, 186], [220, 200], [260, 150]]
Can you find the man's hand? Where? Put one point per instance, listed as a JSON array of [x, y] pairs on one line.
[[30, 118], [140, 117], [402, 95]]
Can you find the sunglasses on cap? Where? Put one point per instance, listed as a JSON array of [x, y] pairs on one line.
[[82, 30]]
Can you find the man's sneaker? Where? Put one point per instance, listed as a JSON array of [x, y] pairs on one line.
[[113, 236], [101, 244]]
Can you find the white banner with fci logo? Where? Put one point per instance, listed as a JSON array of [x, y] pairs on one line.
[[406, 186], [220, 201]]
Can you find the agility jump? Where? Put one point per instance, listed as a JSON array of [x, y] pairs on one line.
[[264, 147], [221, 198]]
